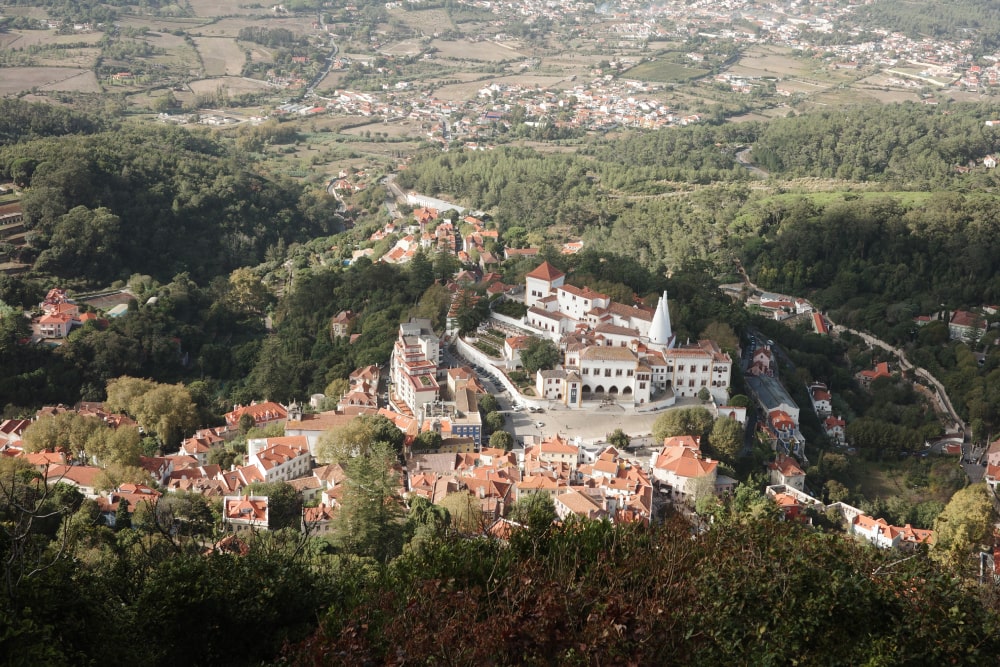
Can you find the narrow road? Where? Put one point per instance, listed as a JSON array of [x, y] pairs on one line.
[[942, 402], [743, 158], [941, 397]]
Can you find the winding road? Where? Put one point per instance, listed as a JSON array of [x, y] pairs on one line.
[[941, 401], [743, 158]]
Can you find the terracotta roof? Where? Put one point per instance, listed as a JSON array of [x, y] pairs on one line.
[[606, 353], [578, 503], [787, 466], [80, 475], [546, 272]]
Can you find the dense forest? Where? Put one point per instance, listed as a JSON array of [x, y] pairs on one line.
[[401, 590], [957, 19], [911, 144], [157, 200]]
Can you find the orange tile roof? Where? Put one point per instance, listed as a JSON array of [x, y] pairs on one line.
[[546, 272]]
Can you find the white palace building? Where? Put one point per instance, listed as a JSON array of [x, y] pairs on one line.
[[611, 350]]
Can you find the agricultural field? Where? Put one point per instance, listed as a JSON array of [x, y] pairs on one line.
[[428, 22], [460, 92], [230, 27], [229, 85], [406, 128], [161, 24], [14, 80], [773, 62], [220, 56], [485, 51], [212, 8], [407, 47], [22, 39], [663, 71]]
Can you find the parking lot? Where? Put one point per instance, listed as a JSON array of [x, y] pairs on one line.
[[588, 425]]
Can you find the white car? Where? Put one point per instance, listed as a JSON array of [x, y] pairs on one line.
[[540, 424]]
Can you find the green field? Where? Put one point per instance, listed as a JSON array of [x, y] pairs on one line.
[[663, 71], [936, 478]]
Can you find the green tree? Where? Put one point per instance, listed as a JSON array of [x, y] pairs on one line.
[[83, 243], [726, 438], [368, 523], [488, 403], [284, 503], [67, 429], [188, 514], [494, 422], [246, 423], [619, 439], [539, 354], [740, 401], [116, 474], [535, 511], [247, 295], [123, 519], [963, 527], [358, 438], [337, 388], [722, 334], [836, 492], [167, 411], [465, 511], [428, 440], [433, 305], [426, 523], [122, 445], [502, 440], [682, 421]]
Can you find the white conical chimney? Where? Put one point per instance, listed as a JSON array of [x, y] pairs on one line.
[[659, 329]]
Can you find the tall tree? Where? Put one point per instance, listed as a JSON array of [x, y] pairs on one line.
[[284, 503], [368, 523], [465, 511], [963, 527], [726, 438], [539, 354], [357, 438], [682, 421]]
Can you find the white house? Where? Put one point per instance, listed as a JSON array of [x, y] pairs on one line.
[[786, 471], [821, 398], [681, 466], [280, 459]]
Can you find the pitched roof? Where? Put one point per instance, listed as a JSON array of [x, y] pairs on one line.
[[603, 353], [578, 503], [79, 475], [787, 466], [546, 272]]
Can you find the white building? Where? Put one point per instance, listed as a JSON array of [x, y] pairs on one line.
[[280, 459], [614, 350], [413, 368]]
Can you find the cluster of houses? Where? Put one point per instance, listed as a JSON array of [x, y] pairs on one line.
[[590, 482], [59, 315], [787, 482], [833, 425]]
